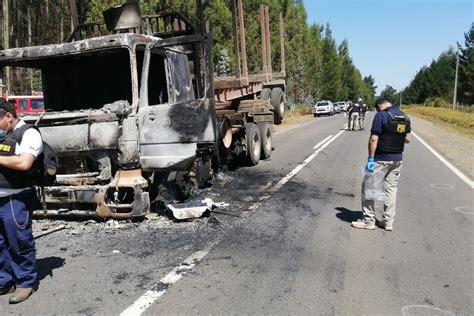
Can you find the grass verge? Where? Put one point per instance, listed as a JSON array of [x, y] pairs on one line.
[[461, 122]]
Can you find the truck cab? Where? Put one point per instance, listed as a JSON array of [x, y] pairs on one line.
[[125, 114]]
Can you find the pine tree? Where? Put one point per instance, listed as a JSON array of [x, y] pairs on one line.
[[331, 88]]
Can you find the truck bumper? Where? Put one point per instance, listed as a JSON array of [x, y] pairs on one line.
[[126, 196]]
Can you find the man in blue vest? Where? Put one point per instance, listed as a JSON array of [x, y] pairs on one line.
[[20, 146], [390, 131]]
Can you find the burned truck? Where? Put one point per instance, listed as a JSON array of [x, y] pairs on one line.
[[131, 110]]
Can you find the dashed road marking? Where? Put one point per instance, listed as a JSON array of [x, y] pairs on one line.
[[465, 210], [444, 186], [456, 171], [159, 289], [319, 148], [413, 310]]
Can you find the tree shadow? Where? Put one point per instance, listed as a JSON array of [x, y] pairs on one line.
[[45, 266], [347, 215]]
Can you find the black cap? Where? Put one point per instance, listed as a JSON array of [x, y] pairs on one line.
[[7, 106], [381, 100]]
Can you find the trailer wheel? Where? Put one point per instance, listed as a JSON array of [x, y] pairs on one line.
[[265, 94], [254, 147], [278, 104], [266, 139]]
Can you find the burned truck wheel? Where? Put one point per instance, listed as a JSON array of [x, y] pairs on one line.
[[265, 94], [278, 103], [253, 142], [266, 139]]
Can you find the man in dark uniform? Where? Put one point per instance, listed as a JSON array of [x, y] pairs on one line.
[[20, 145], [354, 116], [390, 131]]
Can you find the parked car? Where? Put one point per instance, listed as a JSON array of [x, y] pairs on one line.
[[339, 106], [27, 103], [323, 107]]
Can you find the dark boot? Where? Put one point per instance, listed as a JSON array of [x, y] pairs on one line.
[[10, 288], [20, 295]]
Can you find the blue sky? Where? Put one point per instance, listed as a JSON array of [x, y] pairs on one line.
[[392, 39]]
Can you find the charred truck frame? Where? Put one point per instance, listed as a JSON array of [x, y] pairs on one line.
[[132, 107]]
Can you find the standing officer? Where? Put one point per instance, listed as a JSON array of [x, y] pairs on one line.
[[20, 145], [363, 110], [390, 131], [354, 116]]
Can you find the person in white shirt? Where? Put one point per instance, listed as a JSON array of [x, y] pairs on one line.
[[21, 145]]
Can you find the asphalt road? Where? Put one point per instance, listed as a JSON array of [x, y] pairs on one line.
[[290, 251]]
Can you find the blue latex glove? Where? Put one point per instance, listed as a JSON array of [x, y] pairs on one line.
[[370, 164]]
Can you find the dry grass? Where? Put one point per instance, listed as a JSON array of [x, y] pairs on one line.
[[462, 122], [296, 117]]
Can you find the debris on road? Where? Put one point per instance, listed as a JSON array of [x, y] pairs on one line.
[[191, 209], [50, 231]]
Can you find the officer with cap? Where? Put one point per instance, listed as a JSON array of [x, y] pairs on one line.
[[390, 131], [20, 146]]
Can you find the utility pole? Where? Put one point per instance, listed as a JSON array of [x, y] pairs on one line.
[[456, 81], [401, 99]]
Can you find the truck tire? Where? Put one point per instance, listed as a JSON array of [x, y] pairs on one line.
[[278, 104], [253, 141], [265, 94], [266, 139]]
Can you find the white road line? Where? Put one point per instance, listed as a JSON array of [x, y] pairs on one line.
[[456, 171], [159, 289], [305, 162], [322, 142]]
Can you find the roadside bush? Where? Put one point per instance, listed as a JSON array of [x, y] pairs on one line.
[[436, 102], [456, 118]]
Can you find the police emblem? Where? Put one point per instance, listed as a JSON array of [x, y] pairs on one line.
[[401, 128]]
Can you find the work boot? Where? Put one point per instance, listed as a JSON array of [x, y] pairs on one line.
[[20, 295], [7, 289], [363, 224]]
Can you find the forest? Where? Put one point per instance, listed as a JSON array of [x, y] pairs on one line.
[[317, 67]]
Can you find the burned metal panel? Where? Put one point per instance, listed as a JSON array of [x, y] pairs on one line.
[[171, 156], [28, 55], [182, 122], [128, 141], [82, 136]]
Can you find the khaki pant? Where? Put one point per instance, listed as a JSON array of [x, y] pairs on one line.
[[386, 174], [354, 120]]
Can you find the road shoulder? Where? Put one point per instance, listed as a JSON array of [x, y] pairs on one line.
[[453, 146]]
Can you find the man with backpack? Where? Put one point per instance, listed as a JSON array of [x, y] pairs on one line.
[[20, 146], [390, 132]]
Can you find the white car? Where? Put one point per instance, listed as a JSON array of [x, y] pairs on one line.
[[323, 108], [339, 106]]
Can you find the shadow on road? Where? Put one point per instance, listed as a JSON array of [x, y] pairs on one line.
[[347, 215], [45, 266]]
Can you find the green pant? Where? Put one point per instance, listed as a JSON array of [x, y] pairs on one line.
[[386, 174]]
